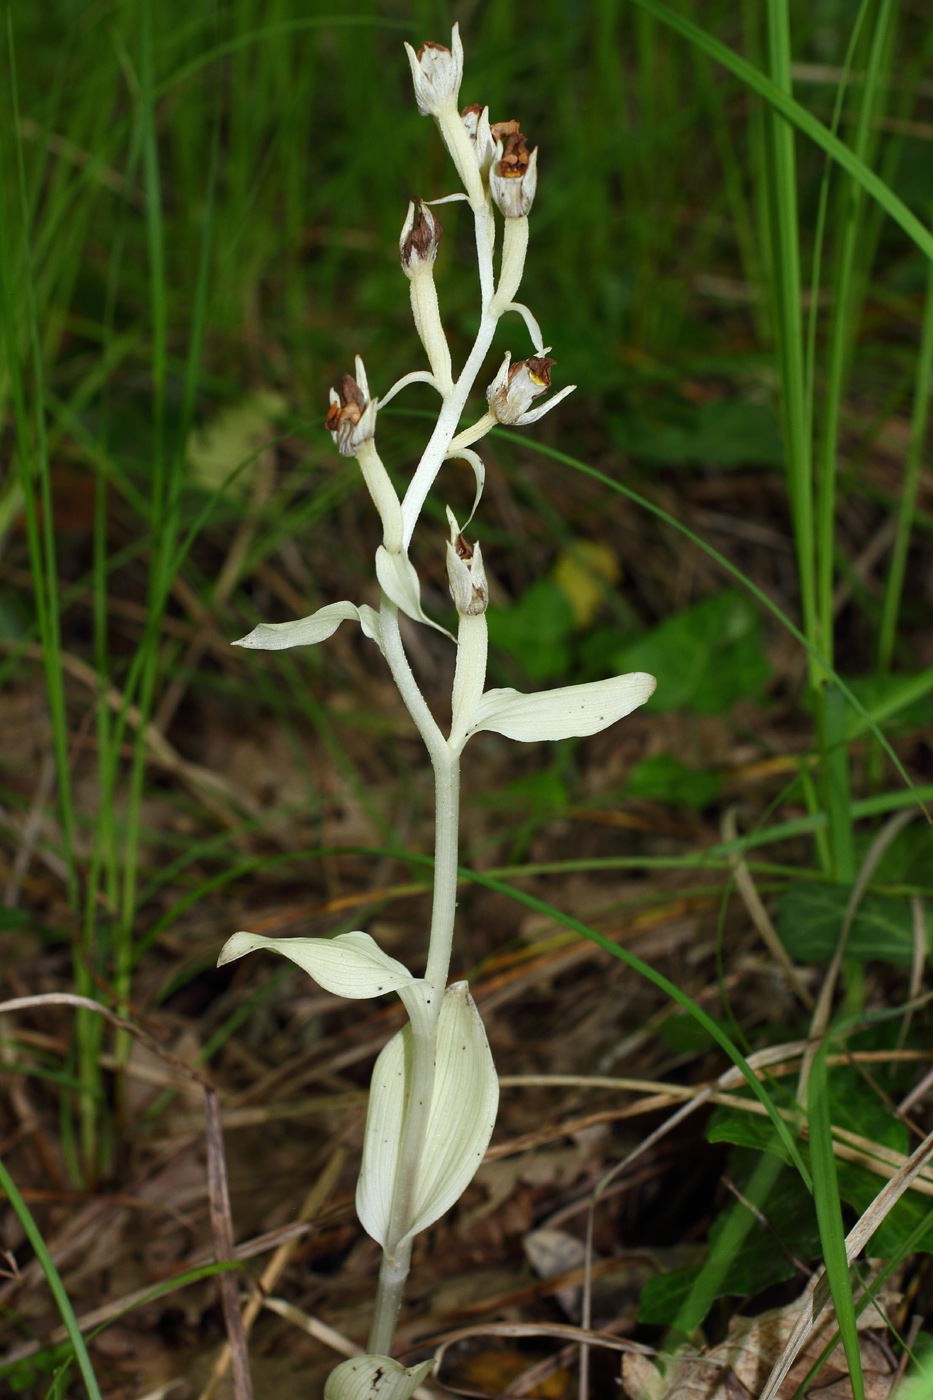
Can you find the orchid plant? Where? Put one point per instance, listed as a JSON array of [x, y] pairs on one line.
[[434, 1090]]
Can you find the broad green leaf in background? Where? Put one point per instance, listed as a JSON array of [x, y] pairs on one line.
[[583, 573], [705, 658], [809, 919], [760, 1261]]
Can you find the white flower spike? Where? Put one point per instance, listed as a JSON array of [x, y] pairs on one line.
[[434, 1091], [437, 72]]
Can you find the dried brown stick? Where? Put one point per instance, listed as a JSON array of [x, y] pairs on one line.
[[279, 1262], [222, 1228]]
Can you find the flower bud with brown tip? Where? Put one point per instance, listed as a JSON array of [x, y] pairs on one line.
[[436, 72], [513, 175], [420, 238], [466, 576], [351, 418]]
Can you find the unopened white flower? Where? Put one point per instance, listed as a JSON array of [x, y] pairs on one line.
[[476, 120], [436, 72], [466, 576], [419, 240], [513, 175], [351, 418], [515, 387]]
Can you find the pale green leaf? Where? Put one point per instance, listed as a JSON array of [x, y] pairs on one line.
[[350, 965], [308, 631], [572, 711]]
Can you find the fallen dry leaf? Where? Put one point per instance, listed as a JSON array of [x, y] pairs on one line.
[[739, 1367]]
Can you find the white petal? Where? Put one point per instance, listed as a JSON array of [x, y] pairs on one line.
[[308, 631], [398, 580], [572, 711], [534, 414], [463, 1112], [375, 1378], [350, 965]]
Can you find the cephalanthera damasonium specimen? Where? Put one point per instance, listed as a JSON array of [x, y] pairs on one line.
[[434, 1089]]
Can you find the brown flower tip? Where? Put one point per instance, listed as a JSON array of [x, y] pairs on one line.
[[436, 48], [515, 157], [539, 367], [421, 235], [474, 108], [464, 548], [349, 409]]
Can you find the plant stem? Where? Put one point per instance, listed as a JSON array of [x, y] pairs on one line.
[[446, 764]]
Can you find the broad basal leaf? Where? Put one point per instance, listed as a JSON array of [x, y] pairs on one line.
[[460, 1123]]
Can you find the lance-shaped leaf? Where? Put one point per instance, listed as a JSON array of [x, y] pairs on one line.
[[570, 712], [460, 1122], [398, 580], [308, 631], [350, 965], [375, 1378]]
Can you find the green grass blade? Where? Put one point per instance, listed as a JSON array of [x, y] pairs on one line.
[[740, 1220], [781, 181], [799, 117], [829, 1217], [894, 586], [53, 1278]]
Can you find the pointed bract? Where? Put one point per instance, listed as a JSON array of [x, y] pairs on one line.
[[398, 580]]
